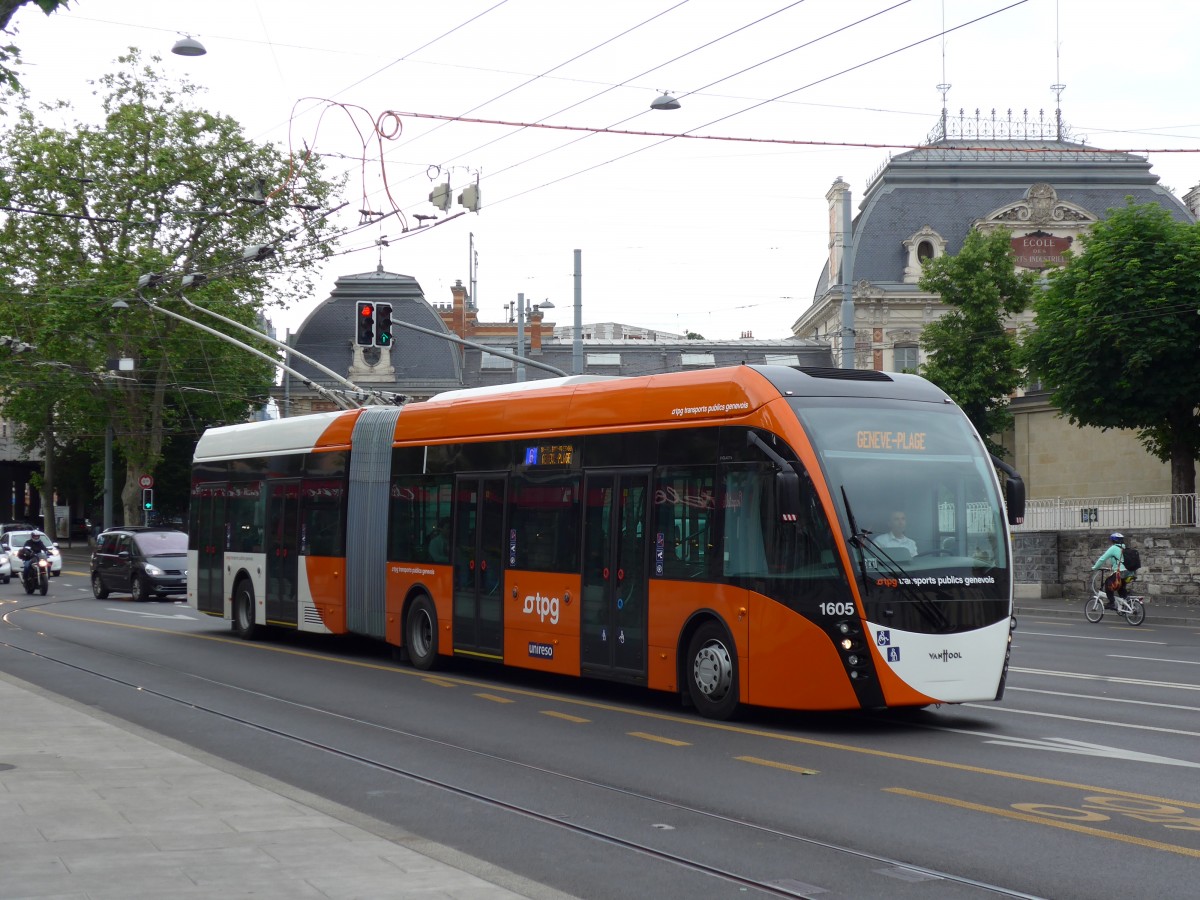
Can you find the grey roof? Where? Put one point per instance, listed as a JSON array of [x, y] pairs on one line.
[[327, 335], [948, 187], [650, 357], [426, 365]]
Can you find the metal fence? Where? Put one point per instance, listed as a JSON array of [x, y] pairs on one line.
[[1108, 513]]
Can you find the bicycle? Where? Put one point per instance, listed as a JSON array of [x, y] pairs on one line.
[[1133, 608]]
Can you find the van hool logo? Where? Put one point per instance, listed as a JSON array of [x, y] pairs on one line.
[[945, 655]]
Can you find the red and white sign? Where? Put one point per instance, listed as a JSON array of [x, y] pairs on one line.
[[146, 481]]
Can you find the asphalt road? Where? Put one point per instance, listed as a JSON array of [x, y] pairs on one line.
[[1081, 783]]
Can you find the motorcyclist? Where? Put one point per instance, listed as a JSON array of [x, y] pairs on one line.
[[1114, 558], [36, 545]]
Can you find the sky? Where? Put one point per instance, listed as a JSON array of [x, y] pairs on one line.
[[723, 231]]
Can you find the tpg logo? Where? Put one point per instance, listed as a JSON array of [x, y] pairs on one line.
[[542, 607]]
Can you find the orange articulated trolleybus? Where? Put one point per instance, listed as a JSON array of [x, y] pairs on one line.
[[722, 534]]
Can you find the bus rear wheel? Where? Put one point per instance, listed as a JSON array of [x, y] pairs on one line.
[[420, 633], [243, 611], [712, 676]]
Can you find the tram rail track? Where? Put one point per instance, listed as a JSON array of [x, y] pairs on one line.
[[691, 863]]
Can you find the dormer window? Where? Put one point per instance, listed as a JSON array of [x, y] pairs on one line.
[[923, 246]]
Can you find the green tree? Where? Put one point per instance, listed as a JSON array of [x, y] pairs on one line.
[[159, 188], [972, 354], [10, 54], [1117, 334]]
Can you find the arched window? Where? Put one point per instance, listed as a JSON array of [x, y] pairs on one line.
[[921, 247]]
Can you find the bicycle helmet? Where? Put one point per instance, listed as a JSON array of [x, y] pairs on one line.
[[1117, 538]]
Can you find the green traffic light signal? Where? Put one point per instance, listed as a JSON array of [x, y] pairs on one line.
[[147, 498], [383, 324]]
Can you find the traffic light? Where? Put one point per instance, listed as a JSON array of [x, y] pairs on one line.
[[383, 324], [365, 324], [440, 196], [147, 499], [470, 197]]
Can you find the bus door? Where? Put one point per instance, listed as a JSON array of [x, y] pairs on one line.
[[282, 544], [210, 547], [478, 569], [615, 566]]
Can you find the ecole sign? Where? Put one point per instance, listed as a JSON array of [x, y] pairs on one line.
[[1039, 250]]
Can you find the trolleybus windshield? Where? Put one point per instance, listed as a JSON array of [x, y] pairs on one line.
[[922, 492]]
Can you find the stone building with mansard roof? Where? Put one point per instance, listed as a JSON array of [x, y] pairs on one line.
[[921, 205]]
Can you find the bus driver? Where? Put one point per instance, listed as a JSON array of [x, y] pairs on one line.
[[895, 538]]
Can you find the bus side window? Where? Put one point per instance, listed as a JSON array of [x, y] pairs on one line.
[[419, 511], [684, 509], [744, 492], [544, 514]]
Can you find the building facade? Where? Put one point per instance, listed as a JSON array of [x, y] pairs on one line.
[[921, 205]]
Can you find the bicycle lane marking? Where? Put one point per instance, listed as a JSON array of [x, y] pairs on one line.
[[1069, 818]]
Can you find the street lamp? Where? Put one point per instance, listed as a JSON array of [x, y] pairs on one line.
[[188, 46], [666, 101]]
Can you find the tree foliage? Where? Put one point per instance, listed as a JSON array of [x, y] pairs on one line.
[[1118, 333], [157, 187], [972, 355], [10, 54]]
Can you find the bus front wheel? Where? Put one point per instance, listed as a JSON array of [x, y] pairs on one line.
[[712, 676], [243, 611], [421, 636]]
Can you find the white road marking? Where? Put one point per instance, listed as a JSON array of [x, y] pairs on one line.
[[149, 615]]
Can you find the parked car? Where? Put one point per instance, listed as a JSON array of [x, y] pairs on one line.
[[13, 541], [141, 562], [5, 569]]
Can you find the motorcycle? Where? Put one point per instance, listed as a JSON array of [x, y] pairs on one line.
[[37, 576]]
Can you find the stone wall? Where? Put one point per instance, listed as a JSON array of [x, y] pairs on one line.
[[1059, 563]]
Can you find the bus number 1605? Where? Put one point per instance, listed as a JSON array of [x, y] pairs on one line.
[[837, 609]]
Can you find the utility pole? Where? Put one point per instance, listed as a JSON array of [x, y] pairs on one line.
[[521, 336], [577, 338]]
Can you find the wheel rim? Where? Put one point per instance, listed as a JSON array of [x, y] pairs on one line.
[[420, 635], [243, 612], [136, 589], [712, 670]]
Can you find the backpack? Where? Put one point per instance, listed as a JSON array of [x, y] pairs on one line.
[[1131, 559]]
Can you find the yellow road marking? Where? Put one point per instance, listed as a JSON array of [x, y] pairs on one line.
[[776, 765], [691, 721], [561, 715], [496, 699], [440, 682], [1042, 820], [655, 737]]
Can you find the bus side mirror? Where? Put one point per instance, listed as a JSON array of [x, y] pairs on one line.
[[1014, 500], [1014, 491], [787, 495]]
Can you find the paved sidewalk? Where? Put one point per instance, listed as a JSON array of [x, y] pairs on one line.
[[1163, 613], [93, 807]]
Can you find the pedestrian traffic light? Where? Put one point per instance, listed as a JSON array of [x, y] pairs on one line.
[[383, 324], [147, 498], [365, 323]]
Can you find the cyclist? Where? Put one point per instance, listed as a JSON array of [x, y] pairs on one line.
[[1114, 558]]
